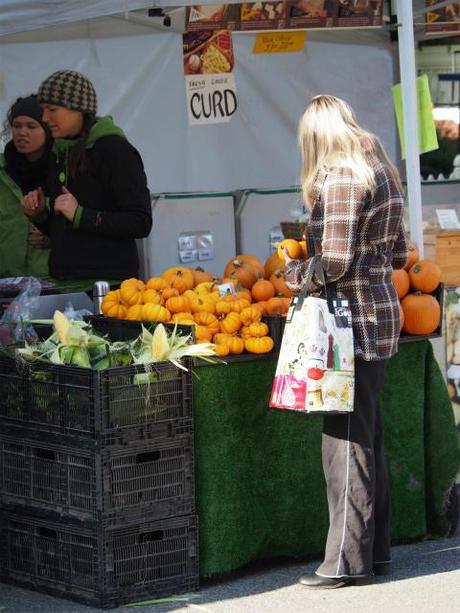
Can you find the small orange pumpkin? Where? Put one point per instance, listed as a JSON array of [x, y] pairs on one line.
[[209, 320], [131, 291], [156, 283], [263, 344], [250, 314], [111, 305], [262, 290], [231, 323], [171, 275], [222, 349], [152, 295], [278, 305], [155, 312], [293, 248], [258, 329], [176, 304], [134, 313]]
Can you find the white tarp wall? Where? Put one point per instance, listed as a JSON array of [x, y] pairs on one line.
[[138, 75]]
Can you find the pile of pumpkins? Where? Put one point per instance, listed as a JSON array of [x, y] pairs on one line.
[[420, 311], [233, 321]]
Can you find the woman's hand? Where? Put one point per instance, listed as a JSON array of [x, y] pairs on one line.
[[66, 204], [33, 203], [286, 256]]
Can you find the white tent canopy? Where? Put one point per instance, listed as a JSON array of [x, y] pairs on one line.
[[137, 71]]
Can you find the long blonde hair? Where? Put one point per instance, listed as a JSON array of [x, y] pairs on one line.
[[329, 136]]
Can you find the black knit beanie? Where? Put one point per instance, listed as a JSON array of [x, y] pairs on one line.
[[28, 107], [70, 89]]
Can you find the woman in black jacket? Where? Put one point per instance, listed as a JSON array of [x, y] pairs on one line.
[[99, 200]]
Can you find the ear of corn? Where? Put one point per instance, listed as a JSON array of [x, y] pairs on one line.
[[160, 346], [61, 325]]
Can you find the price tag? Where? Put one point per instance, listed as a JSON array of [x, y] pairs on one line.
[[448, 219], [279, 42]]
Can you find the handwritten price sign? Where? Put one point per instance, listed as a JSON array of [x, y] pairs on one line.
[[279, 42]]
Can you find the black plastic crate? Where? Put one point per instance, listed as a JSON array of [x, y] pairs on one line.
[[101, 566], [275, 325], [155, 478], [106, 405]]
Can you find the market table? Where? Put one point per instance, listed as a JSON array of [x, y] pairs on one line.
[[259, 484]]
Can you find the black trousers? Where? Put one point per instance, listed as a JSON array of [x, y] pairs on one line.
[[357, 481]]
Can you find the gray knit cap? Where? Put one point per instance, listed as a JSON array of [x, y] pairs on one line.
[[70, 89]]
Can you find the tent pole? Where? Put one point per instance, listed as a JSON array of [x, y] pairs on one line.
[[406, 48]]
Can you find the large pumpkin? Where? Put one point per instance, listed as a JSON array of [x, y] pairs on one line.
[[422, 313], [273, 263], [242, 272], [248, 258], [279, 284], [425, 276]]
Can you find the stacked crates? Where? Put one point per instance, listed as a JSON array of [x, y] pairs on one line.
[[97, 480]]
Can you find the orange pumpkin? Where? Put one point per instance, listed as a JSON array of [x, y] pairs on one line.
[[244, 332], [112, 307], [278, 305], [203, 333], [243, 272], [155, 312], [209, 320], [258, 329], [231, 323], [303, 244], [293, 248], [425, 276], [131, 292], [200, 276], [222, 349], [422, 313], [176, 304], [253, 260], [263, 344], [412, 257], [203, 303], [401, 282], [183, 318], [171, 275], [156, 283], [273, 263], [152, 295], [262, 290], [278, 282], [169, 292], [134, 313], [235, 345], [250, 314]]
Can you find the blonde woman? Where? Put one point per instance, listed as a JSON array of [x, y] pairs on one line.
[[356, 232]]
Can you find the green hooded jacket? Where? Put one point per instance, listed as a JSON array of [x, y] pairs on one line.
[[17, 257]]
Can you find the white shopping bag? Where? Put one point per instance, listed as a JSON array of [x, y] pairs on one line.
[[315, 371]]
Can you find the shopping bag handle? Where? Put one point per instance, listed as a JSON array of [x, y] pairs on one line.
[[328, 289]]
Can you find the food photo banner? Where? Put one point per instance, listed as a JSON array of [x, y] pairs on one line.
[[209, 81], [446, 19], [285, 15]]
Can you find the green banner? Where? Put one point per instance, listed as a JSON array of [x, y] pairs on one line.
[[427, 138]]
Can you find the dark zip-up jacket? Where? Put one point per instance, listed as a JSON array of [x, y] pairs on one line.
[[114, 209]]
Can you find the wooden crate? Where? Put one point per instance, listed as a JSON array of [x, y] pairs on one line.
[[443, 247]]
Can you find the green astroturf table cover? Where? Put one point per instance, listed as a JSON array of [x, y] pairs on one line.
[[260, 489]]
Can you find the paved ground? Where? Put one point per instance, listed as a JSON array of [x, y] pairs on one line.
[[425, 579]]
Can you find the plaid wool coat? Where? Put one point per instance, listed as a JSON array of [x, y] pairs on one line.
[[359, 238]]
